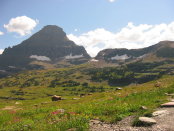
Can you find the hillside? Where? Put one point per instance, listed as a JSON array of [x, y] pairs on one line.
[[88, 92], [37, 112]]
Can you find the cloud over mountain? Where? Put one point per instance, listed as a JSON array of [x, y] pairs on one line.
[[111, 0], [130, 36], [1, 33], [22, 25], [1, 51]]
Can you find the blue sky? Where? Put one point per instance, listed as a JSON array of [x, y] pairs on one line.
[[93, 19]]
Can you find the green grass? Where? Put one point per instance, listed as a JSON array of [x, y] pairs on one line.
[[39, 113], [107, 106]]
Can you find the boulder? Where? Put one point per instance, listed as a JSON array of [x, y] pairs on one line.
[[147, 121], [56, 98], [18, 103], [168, 104], [82, 95], [118, 88], [93, 122], [157, 84], [143, 107], [160, 112], [75, 98], [169, 94]]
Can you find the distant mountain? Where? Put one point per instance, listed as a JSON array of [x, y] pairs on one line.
[[161, 51], [49, 46]]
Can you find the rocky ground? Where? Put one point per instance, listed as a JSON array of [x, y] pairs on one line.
[[163, 117]]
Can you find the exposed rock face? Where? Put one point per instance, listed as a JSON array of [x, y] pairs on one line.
[[50, 44], [168, 104], [164, 49], [56, 98], [160, 112], [147, 120]]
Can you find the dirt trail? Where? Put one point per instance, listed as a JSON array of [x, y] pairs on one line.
[[165, 122]]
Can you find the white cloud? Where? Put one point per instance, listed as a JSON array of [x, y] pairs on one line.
[[75, 30], [111, 0], [1, 51], [22, 25], [1, 33], [131, 36]]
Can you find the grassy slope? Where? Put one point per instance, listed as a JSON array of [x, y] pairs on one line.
[[39, 112], [109, 106]]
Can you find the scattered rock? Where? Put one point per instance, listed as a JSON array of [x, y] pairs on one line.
[[118, 88], [56, 98], [157, 84], [147, 120], [63, 99], [82, 95], [168, 104], [144, 108], [75, 98], [160, 112], [18, 103], [93, 122], [169, 94], [36, 105]]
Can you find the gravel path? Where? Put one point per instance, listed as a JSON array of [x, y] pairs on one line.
[[165, 122]]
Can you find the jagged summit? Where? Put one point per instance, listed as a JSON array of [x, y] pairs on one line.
[[50, 43], [51, 31]]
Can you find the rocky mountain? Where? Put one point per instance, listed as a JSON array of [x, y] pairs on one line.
[[160, 51], [48, 46]]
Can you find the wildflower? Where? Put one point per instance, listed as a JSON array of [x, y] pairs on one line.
[[12, 112], [55, 112], [16, 119], [72, 113]]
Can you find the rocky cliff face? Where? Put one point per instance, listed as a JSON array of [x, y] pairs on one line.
[[49, 45], [162, 50]]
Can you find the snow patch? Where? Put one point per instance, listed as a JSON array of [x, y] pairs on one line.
[[40, 58], [13, 67], [140, 57], [121, 57], [73, 57], [2, 71], [94, 60]]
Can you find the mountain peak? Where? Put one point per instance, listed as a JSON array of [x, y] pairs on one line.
[[50, 42], [51, 32], [52, 28]]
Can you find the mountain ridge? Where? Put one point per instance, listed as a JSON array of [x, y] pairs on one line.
[[162, 49], [50, 42]]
